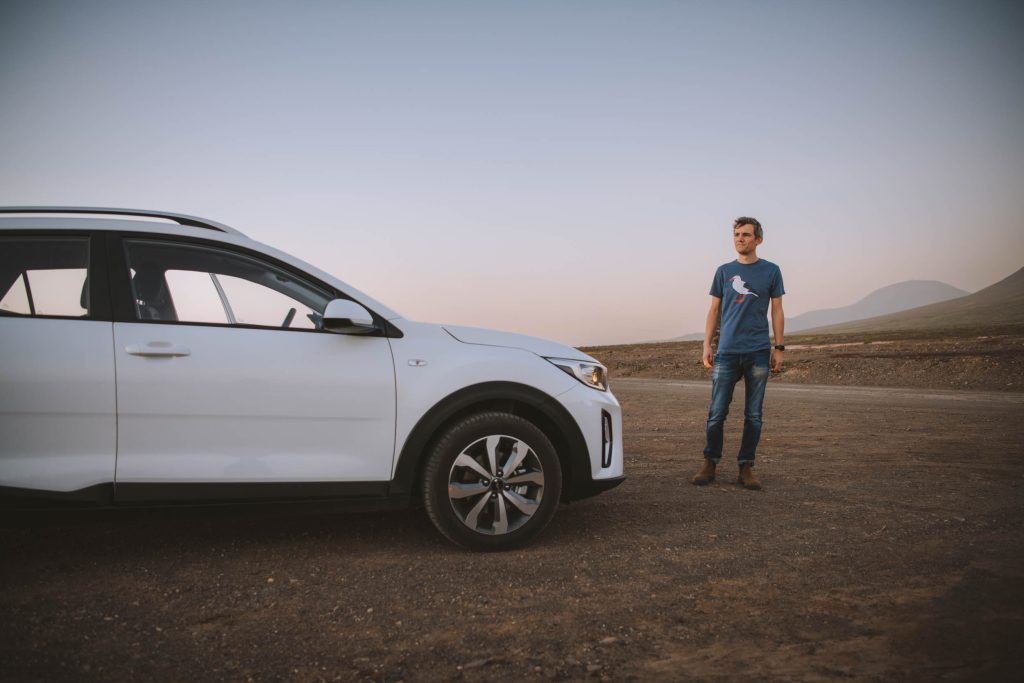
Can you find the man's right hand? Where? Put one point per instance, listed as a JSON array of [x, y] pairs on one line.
[[709, 330]]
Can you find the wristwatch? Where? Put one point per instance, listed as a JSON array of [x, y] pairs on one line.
[[780, 347]]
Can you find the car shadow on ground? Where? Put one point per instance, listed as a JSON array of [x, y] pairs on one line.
[[137, 532], [133, 534]]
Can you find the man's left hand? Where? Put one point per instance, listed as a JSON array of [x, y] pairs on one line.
[[776, 361]]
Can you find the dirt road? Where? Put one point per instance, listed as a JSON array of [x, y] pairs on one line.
[[887, 545]]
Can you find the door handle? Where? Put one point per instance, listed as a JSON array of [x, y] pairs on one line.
[[158, 350]]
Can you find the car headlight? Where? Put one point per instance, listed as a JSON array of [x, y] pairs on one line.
[[593, 375]]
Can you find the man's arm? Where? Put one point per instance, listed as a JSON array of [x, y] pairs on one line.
[[709, 329], [778, 329]]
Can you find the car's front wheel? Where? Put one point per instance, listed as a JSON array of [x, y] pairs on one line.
[[492, 482]]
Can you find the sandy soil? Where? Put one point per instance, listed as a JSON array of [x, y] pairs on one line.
[[886, 546]]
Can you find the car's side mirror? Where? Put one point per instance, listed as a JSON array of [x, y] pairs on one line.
[[347, 317]]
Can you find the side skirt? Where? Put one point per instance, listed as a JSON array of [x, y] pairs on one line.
[[361, 494]]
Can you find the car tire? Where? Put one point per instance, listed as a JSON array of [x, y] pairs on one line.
[[473, 500]]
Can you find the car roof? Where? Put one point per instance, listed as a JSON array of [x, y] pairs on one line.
[[166, 223], [179, 218]]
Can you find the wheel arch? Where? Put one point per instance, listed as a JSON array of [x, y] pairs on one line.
[[511, 397]]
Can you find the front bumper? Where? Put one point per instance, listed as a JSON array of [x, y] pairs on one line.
[[599, 418], [592, 487]]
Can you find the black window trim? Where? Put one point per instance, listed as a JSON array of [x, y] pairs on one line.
[[123, 306]]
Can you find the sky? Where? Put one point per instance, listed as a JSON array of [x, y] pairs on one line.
[[565, 169]]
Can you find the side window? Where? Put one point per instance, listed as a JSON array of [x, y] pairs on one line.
[[180, 282], [44, 276]]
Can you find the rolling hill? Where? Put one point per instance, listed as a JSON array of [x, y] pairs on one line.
[[892, 299], [998, 305]]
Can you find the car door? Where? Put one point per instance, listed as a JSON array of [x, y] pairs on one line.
[[57, 404], [228, 388]]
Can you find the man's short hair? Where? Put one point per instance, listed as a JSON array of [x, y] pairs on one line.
[[747, 220]]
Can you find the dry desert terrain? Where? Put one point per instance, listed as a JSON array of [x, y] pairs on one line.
[[887, 545]]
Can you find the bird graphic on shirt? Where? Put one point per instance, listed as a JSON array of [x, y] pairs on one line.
[[741, 288]]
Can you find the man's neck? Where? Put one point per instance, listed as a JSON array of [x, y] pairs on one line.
[[747, 259]]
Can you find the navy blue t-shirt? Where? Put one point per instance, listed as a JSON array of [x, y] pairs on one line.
[[746, 291]]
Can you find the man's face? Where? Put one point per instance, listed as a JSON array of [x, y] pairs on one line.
[[743, 238]]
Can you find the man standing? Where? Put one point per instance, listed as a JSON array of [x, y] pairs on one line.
[[741, 292]]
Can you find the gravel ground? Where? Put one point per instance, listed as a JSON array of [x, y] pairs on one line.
[[885, 546]]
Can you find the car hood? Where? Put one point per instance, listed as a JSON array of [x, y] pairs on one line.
[[541, 347]]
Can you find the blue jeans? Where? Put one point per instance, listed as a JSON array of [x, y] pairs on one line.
[[728, 369]]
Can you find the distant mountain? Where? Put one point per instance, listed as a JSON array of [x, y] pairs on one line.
[[894, 298], [901, 296], [693, 336], [995, 306]]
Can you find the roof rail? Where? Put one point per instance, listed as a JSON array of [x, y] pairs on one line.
[[180, 218]]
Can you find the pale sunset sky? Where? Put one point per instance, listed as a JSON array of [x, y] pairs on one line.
[[566, 169]]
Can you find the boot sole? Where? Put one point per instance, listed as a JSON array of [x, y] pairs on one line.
[[702, 483]]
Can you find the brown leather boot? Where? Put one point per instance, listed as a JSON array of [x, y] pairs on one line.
[[747, 479], [706, 474]]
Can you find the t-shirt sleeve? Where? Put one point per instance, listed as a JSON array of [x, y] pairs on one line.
[[777, 288], [716, 284]]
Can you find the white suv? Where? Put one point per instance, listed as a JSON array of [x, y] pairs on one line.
[[155, 358]]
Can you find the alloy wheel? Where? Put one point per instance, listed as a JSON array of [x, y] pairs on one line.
[[496, 484]]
